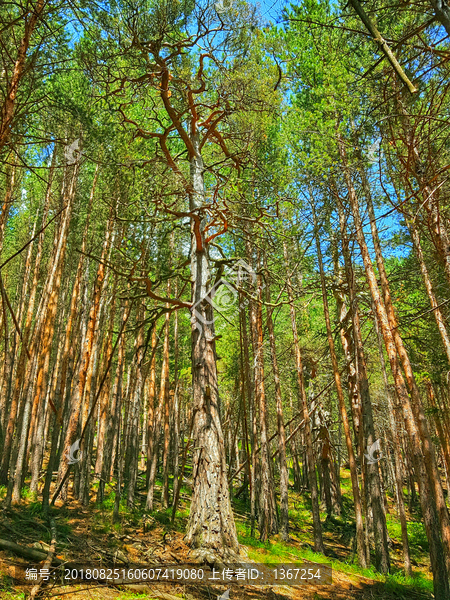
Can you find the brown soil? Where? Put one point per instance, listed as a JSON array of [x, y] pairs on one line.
[[83, 536]]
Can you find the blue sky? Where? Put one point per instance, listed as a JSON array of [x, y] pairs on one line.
[[271, 9]]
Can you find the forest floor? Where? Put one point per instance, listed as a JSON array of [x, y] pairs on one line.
[[89, 534]]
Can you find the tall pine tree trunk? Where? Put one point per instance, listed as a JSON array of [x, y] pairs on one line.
[[211, 527], [22, 361], [397, 460], [419, 414], [317, 525], [284, 473], [84, 376], [32, 15], [438, 563], [267, 514], [158, 416], [44, 333], [151, 395], [360, 544], [429, 287]]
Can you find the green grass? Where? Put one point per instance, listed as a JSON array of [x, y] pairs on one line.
[[134, 516], [343, 529], [417, 537], [7, 591], [277, 551], [6, 583]]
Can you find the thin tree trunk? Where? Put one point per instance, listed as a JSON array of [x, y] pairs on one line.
[[247, 394], [268, 524], [317, 525], [151, 405], [372, 485], [442, 11], [397, 461], [417, 407], [22, 361], [113, 416], [104, 398], [360, 544], [440, 575], [46, 335], [33, 15], [84, 375], [429, 287], [132, 456], [443, 438], [167, 407], [19, 447], [162, 403], [7, 203], [176, 404], [8, 366], [252, 400], [384, 47], [284, 473]]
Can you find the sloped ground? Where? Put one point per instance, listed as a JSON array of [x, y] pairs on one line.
[[87, 534]]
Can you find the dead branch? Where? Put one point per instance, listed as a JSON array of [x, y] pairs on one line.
[[25, 552], [48, 560], [383, 45]]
